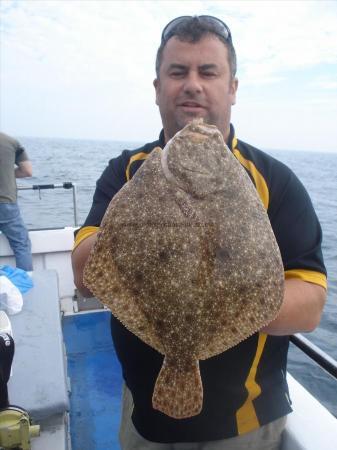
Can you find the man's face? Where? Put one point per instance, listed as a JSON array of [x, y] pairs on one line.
[[195, 81]]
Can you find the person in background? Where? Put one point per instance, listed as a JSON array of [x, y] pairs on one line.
[[14, 163], [246, 397]]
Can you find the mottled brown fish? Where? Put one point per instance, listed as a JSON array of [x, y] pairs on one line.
[[186, 259]]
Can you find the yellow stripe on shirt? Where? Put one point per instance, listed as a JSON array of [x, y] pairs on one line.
[[136, 157], [246, 417], [310, 276], [260, 183], [84, 233]]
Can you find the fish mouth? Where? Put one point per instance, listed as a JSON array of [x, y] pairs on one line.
[[192, 170]]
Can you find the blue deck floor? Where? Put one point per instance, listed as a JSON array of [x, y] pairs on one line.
[[96, 382]]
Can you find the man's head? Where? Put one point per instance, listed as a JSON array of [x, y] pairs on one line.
[[196, 66], [192, 29]]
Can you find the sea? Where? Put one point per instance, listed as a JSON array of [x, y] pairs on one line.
[[56, 161]]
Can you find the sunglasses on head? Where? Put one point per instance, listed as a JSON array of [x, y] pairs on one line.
[[220, 28]]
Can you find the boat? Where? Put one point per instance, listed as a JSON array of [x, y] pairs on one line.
[[66, 381]]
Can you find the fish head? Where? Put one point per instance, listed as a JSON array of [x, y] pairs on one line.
[[193, 160]]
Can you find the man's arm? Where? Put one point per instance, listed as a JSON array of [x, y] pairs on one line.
[[24, 169], [301, 309], [79, 258]]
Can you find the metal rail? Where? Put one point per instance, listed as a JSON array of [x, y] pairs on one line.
[[65, 185], [315, 353]]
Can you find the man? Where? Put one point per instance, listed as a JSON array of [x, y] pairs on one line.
[[11, 224], [245, 390]]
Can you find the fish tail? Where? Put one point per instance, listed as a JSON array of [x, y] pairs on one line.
[[178, 393]]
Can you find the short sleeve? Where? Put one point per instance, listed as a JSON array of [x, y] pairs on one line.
[[20, 153], [111, 181], [296, 226]]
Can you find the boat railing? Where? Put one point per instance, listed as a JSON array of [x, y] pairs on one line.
[[315, 353], [65, 185]]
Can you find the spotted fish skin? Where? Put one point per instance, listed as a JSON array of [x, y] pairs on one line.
[[186, 259]]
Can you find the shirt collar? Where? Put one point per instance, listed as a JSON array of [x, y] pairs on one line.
[[231, 142], [162, 139]]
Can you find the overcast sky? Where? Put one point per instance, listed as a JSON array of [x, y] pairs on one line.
[[84, 69]]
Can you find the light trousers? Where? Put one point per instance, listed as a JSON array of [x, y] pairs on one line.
[[268, 437]]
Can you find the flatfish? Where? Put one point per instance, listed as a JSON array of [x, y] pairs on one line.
[[187, 260]]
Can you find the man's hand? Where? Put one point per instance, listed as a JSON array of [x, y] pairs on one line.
[[24, 169], [301, 309], [79, 258]]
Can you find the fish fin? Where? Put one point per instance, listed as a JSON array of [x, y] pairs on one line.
[[178, 393]]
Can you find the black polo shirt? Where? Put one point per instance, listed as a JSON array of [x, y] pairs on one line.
[[244, 387]]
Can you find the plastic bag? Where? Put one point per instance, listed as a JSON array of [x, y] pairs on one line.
[[18, 277], [11, 300]]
